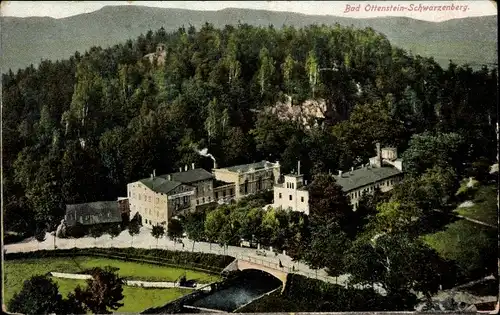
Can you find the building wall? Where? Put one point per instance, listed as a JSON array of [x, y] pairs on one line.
[[225, 192], [248, 183], [384, 185], [294, 199], [152, 206], [204, 193]]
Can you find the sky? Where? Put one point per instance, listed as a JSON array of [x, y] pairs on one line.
[[353, 9]]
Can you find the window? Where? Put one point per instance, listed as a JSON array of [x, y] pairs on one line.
[[290, 197], [130, 194], [216, 195], [203, 200], [208, 198], [302, 199], [197, 202], [287, 185], [223, 193], [149, 198], [280, 195], [231, 192]]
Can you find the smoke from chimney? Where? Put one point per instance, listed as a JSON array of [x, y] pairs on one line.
[[340, 173], [204, 152], [185, 167], [154, 173], [192, 166], [298, 168]]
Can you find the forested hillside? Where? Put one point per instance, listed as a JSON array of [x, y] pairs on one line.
[[79, 130], [468, 40]]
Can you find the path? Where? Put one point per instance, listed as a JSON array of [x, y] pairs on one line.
[[145, 240], [133, 283], [468, 219]]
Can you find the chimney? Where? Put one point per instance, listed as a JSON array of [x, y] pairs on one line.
[[298, 168], [340, 173], [185, 168], [180, 169], [379, 155], [192, 166], [352, 170], [151, 176], [169, 177], [154, 173]]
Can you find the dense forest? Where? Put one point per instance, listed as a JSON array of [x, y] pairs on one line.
[[79, 130]]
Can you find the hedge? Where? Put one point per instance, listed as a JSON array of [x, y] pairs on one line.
[[303, 294], [198, 261]]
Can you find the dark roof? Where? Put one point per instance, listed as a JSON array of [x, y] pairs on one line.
[[93, 213], [190, 176], [365, 176], [163, 185], [246, 167], [160, 184]]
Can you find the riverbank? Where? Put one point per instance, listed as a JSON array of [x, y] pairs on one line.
[[137, 298]]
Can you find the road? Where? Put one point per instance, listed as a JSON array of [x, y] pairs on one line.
[[145, 240]]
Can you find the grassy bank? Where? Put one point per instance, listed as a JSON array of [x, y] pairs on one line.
[[136, 299]]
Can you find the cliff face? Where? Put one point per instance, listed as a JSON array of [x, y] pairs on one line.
[[308, 113]]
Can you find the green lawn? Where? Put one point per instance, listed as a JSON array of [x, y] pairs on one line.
[[485, 205], [17, 271], [136, 299]]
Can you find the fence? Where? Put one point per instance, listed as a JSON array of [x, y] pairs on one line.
[[149, 259], [288, 269]]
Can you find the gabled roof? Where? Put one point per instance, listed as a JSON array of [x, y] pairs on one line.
[[190, 176], [93, 213], [247, 167], [160, 184], [365, 176]]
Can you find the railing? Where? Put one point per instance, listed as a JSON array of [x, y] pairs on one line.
[[287, 269]]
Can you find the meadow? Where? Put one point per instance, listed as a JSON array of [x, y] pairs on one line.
[[136, 299]]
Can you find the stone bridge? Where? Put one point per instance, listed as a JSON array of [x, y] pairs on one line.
[[246, 262]]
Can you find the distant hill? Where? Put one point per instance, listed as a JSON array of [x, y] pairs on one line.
[[28, 40]]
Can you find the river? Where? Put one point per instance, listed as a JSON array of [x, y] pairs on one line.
[[251, 284]]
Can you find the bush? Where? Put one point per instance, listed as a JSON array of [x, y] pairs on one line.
[[201, 261], [310, 295]]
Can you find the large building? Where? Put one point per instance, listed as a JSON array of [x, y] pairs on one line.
[[158, 198], [292, 194], [92, 213], [240, 181], [383, 171]]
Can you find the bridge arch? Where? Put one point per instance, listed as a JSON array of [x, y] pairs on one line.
[[247, 264]]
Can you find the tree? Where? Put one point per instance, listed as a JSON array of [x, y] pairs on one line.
[[328, 203], [396, 217], [427, 150], [326, 249], [266, 70], [39, 295], [40, 236], [175, 229], [114, 231], [133, 229], [214, 222], [195, 226], [158, 231], [104, 291], [96, 231]]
